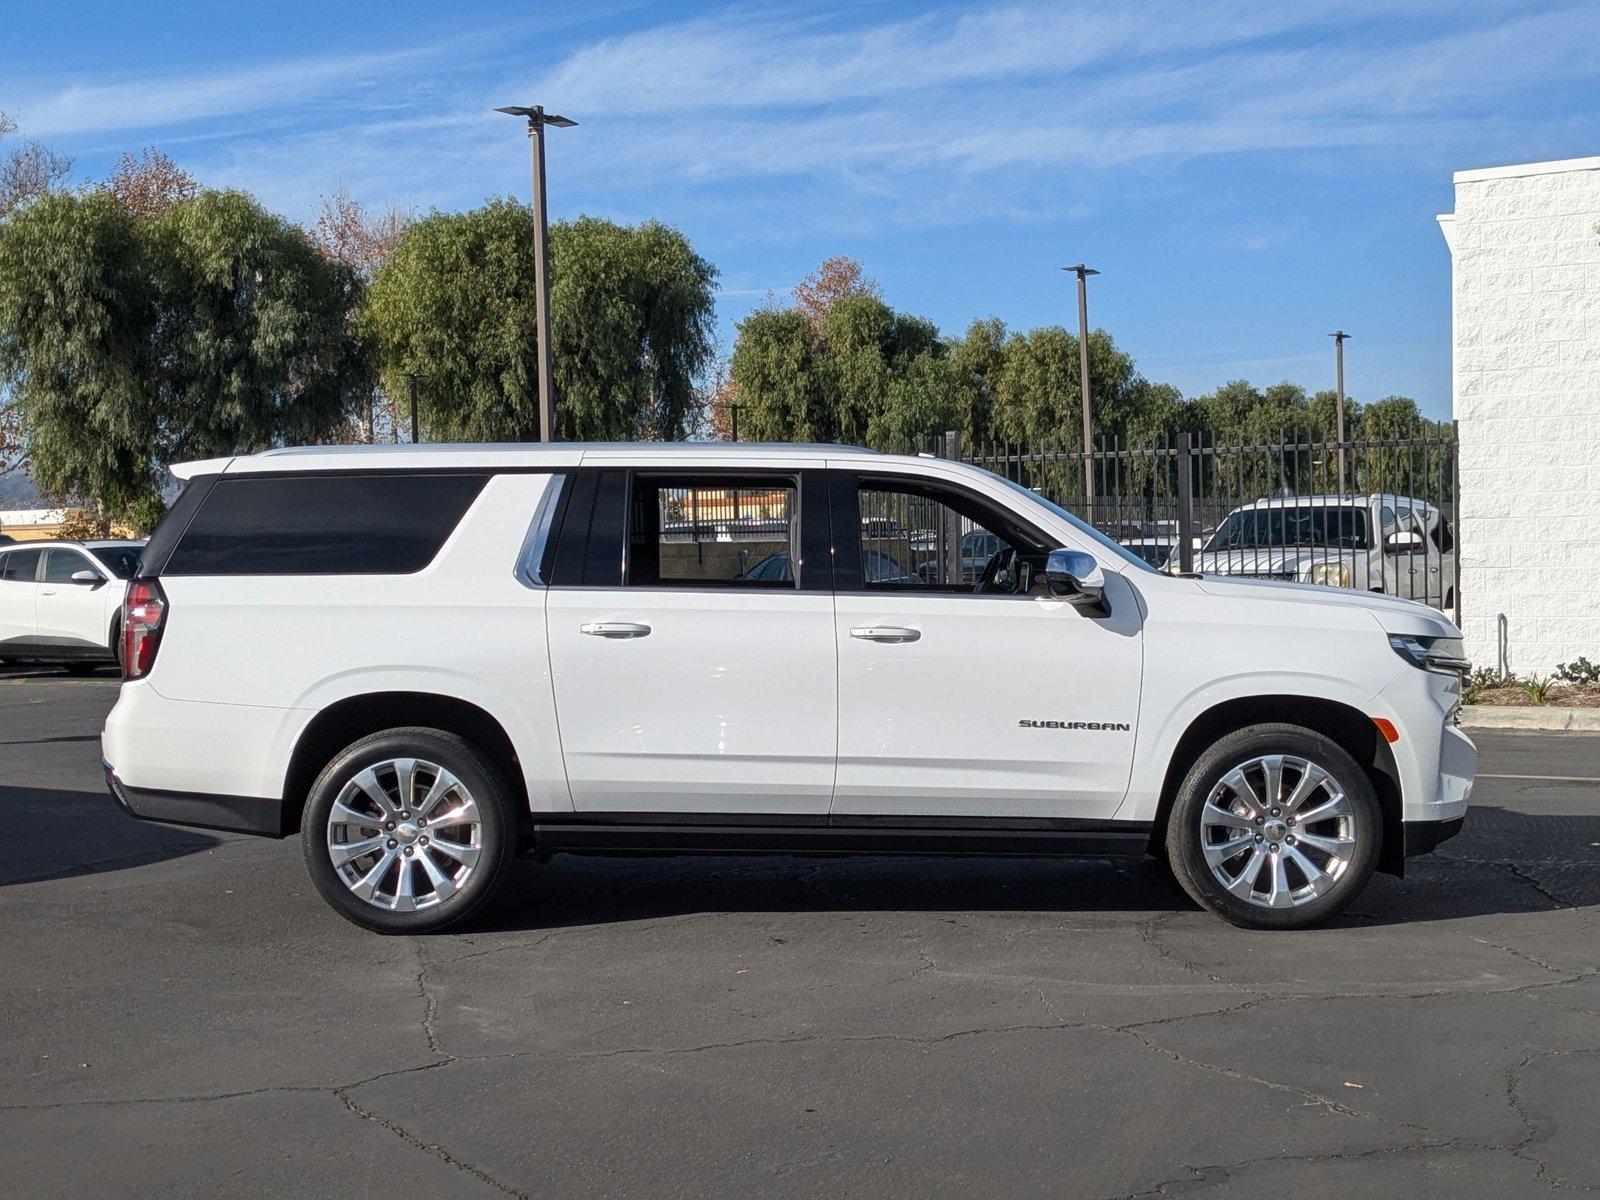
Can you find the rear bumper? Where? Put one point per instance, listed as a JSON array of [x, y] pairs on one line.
[[202, 810]]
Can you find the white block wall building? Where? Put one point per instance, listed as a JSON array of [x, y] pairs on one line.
[[1525, 252]]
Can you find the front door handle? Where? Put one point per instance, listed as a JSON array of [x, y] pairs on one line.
[[614, 629], [885, 633]]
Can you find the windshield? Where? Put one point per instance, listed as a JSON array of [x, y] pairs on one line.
[[1304, 525], [1081, 526], [121, 561]]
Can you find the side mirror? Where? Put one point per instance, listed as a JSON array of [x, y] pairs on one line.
[[1405, 542], [87, 578], [1075, 577]]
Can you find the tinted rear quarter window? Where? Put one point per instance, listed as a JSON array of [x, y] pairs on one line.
[[20, 565], [121, 561], [381, 523]]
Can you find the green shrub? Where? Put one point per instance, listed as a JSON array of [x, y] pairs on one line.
[[1580, 670]]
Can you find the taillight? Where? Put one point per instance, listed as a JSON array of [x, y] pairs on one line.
[[144, 612]]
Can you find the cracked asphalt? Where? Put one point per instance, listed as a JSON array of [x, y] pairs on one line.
[[180, 1015]]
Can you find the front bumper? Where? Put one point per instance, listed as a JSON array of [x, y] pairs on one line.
[[201, 810], [1420, 837]]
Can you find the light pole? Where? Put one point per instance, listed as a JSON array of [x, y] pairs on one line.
[[1083, 273], [1339, 337], [537, 120]]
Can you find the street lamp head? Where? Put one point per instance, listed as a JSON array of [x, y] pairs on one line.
[[1080, 270], [1339, 335], [536, 113]]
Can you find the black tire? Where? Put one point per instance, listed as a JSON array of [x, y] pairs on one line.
[[1185, 835], [496, 830], [80, 669]]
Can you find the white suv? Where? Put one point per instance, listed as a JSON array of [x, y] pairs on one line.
[[1380, 543], [428, 660], [61, 602]]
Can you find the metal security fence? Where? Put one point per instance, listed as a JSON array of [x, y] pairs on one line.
[[1375, 514]]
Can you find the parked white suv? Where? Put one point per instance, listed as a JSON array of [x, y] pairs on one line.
[[1399, 545], [61, 602], [428, 660]]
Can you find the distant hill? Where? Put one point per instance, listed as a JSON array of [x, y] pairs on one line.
[[18, 490]]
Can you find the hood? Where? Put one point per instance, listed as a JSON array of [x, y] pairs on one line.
[[1391, 612], [1263, 561], [1269, 560]]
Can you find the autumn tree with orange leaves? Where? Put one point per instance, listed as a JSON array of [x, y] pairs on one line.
[[814, 297]]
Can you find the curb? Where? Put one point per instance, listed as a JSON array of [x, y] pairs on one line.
[[1532, 716]]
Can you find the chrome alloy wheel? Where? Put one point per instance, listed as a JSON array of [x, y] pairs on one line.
[[404, 834], [1278, 831]]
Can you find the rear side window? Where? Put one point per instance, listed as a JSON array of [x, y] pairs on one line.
[[20, 566], [709, 532], [384, 523]]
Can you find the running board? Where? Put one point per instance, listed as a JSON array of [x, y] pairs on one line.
[[741, 833]]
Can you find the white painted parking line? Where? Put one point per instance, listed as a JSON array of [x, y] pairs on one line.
[[1549, 778]]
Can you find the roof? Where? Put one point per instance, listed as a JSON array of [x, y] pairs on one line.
[[1328, 501], [1558, 166], [515, 454], [83, 544]]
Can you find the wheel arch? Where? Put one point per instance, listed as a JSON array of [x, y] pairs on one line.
[[354, 717], [1351, 728]]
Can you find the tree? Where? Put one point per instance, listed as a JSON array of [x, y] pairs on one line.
[[77, 319], [976, 362], [348, 233], [150, 184], [836, 278], [632, 320], [851, 370], [28, 171], [631, 325], [254, 337], [782, 379], [210, 329]]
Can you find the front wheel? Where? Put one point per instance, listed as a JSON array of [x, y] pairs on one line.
[[1275, 827], [408, 831]]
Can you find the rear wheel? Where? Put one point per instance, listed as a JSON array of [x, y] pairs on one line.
[[408, 831], [1274, 827]]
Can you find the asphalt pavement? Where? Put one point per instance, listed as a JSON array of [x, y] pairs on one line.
[[181, 1015]]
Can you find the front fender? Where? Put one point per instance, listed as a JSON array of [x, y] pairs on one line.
[[1157, 741]]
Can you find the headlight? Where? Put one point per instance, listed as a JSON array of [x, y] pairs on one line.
[[1443, 654], [1333, 574]]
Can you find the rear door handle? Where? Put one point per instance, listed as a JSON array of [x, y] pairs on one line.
[[614, 629], [885, 633]]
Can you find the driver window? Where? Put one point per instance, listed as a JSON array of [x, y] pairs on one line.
[[61, 565], [911, 539]]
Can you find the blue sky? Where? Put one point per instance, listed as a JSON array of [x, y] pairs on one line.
[[1247, 176]]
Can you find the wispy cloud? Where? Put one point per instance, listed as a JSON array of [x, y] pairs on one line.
[[943, 116], [163, 103]]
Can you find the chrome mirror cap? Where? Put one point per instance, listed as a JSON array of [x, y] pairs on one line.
[[1075, 577]]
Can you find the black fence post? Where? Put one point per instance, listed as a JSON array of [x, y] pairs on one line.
[[950, 535], [1186, 502]]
